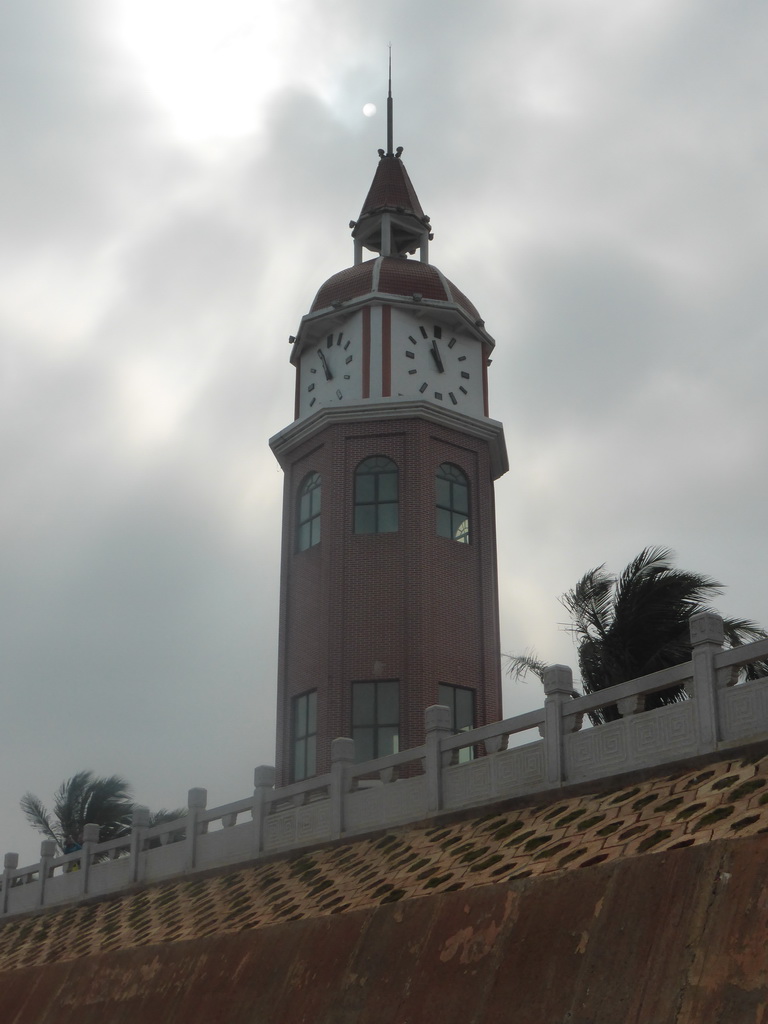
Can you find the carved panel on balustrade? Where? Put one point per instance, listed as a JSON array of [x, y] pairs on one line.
[[298, 826], [744, 710], [648, 738], [518, 770], [385, 804], [467, 784]]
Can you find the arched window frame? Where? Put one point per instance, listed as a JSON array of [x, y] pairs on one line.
[[308, 508], [377, 496], [452, 518]]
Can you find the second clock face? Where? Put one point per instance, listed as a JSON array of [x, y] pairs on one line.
[[328, 370], [437, 364]]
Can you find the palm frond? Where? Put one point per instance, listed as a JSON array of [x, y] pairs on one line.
[[520, 665], [39, 818]]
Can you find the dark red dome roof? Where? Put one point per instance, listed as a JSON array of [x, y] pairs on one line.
[[391, 275]]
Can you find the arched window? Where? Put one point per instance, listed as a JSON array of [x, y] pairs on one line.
[[376, 496], [452, 501], [308, 513]]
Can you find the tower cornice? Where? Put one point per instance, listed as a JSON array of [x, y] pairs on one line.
[[492, 431]]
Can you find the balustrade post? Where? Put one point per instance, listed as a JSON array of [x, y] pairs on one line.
[[558, 688], [263, 782], [197, 801], [342, 755], [438, 727], [139, 825], [47, 853], [707, 636], [90, 839], [10, 864]]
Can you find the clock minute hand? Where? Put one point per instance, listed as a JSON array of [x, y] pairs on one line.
[[436, 357], [326, 367]]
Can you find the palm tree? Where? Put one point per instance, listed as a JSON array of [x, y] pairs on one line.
[[86, 799], [635, 623]]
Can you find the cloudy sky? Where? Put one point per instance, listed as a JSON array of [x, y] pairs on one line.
[[177, 179]]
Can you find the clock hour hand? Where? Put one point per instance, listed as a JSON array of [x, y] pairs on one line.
[[326, 367], [436, 357]]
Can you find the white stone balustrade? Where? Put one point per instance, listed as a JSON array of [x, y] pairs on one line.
[[413, 785]]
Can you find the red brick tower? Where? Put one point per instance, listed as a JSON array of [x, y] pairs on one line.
[[389, 596]]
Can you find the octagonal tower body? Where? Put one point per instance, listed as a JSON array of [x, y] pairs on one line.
[[389, 592]]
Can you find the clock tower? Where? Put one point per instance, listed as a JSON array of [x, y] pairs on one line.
[[388, 590]]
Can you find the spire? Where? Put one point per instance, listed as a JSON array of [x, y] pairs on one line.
[[391, 222], [389, 105]]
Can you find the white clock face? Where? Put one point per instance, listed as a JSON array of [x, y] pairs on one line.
[[328, 371], [437, 364]]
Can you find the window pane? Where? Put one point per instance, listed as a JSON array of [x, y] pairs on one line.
[[365, 519], [365, 487], [363, 744], [465, 718], [315, 498], [311, 744], [460, 498], [389, 741], [460, 529], [387, 519], [314, 531], [300, 716], [388, 487], [444, 523], [312, 712], [298, 760], [443, 492], [388, 703], [363, 695]]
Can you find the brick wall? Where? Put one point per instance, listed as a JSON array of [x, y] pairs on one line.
[[409, 605]]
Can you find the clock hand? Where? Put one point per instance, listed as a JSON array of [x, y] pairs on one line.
[[326, 367], [436, 357]]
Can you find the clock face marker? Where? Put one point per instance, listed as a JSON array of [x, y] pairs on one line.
[[438, 395], [463, 390], [453, 397], [465, 375], [423, 332], [423, 387], [338, 393], [461, 358], [311, 387], [451, 343], [312, 402], [341, 335], [438, 331], [329, 341], [410, 355], [413, 371], [347, 343], [348, 360], [412, 340]]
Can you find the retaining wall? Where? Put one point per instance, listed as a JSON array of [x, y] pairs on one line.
[[669, 938]]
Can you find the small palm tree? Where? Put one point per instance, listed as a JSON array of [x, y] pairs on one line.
[[635, 623], [86, 799]]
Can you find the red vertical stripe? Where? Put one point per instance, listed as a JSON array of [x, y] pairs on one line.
[[386, 351], [367, 352]]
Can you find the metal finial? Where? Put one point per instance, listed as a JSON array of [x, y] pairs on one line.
[[389, 106]]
